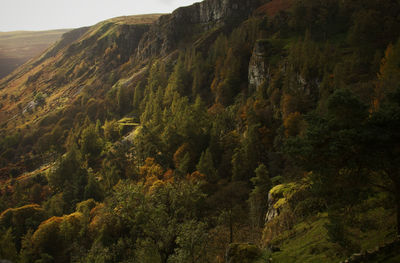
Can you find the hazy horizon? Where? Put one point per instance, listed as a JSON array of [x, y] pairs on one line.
[[28, 15]]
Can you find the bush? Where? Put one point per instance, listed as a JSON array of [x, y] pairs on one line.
[[242, 253]]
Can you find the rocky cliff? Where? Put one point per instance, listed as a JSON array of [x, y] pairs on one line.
[[170, 30], [258, 68]]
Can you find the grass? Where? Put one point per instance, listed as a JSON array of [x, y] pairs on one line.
[[107, 27], [372, 224], [14, 85], [137, 19], [307, 243], [377, 222]]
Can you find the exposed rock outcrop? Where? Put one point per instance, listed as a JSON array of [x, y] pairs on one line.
[[166, 34], [272, 212], [258, 68], [278, 197]]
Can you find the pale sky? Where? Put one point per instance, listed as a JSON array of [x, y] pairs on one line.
[[58, 14]]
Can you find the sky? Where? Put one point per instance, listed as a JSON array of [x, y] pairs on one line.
[[59, 14]]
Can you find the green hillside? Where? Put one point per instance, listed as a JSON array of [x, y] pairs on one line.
[[227, 131]]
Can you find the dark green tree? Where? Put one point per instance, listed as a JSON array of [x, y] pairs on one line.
[[93, 189], [258, 197], [7, 245], [331, 146], [40, 99], [382, 148], [206, 166], [347, 149], [91, 144], [69, 178], [159, 214]]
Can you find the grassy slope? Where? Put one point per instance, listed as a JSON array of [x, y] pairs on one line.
[[15, 85], [17, 47], [308, 241]]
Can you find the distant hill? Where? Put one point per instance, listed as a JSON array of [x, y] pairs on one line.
[[17, 47]]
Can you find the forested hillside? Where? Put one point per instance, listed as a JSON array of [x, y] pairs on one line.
[[227, 131]]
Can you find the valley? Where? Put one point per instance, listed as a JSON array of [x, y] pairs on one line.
[[227, 131]]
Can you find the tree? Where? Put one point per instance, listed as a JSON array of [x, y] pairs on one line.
[[331, 146], [7, 245], [69, 178], [258, 197], [293, 124], [124, 100], [192, 242], [111, 130], [228, 203], [201, 75], [383, 146], [40, 99], [178, 82], [27, 252], [347, 150], [247, 155], [92, 189], [206, 166], [91, 144], [137, 95], [56, 236], [321, 18], [159, 212], [183, 167], [21, 220]]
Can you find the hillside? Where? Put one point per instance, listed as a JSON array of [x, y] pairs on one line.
[[18, 47], [227, 131], [58, 71]]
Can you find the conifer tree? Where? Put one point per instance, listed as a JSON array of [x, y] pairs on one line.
[[137, 96], [7, 245], [206, 166], [258, 197]]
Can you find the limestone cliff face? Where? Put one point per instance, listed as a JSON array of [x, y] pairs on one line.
[[211, 11], [170, 30], [258, 68], [272, 211]]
